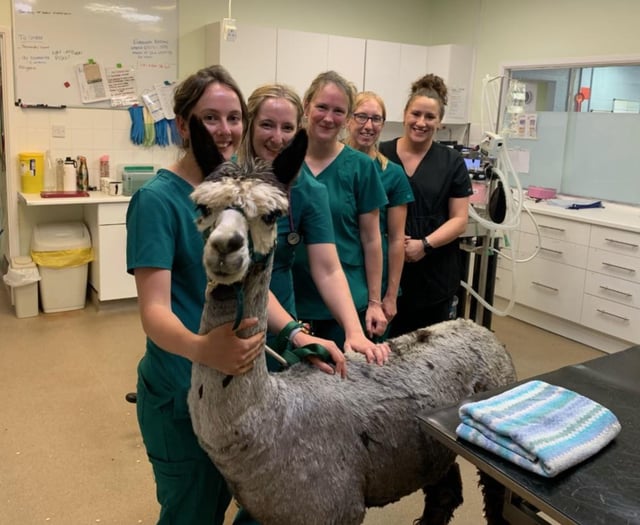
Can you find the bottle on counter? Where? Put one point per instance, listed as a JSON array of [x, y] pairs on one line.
[[70, 179], [83, 174]]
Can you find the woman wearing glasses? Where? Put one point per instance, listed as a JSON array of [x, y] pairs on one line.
[[365, 126], [441, 187], [355, 195]]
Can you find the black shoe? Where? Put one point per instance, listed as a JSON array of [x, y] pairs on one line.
[[131, 397]]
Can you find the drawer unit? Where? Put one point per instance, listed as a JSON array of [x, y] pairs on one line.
[[614, 264], [611, 318], [108, 272], [112, 213], [618, 241], [554, 288], [553, 250], [613, 289], [504, 283], [557, 228]]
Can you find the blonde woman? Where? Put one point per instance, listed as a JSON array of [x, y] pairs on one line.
[[274, 117], [355, 195], [364, 128]]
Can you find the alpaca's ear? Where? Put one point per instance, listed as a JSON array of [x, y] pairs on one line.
[[289, 161], [204, 148]]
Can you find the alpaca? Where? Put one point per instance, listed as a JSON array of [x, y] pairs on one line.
[[302, 446]]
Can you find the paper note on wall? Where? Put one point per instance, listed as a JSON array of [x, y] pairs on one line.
[[520, 160], [457, 104]]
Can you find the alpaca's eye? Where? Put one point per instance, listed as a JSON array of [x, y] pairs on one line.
[[204, 210], [272, 217]]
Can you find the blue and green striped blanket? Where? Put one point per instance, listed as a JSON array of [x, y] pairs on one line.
[[541, 427]]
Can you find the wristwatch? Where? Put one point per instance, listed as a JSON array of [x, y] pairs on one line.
[[426, 246]]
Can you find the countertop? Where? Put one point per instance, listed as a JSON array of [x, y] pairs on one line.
[[95, 197], [611, 215]]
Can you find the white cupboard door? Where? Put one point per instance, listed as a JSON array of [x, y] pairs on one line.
[[381, 73], [346, 56], [300, 57], [250, 58], [115, 282]]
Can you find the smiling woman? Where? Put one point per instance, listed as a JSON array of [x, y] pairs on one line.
[[441, 188]]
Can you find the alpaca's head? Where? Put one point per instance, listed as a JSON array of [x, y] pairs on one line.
[[240, 204]]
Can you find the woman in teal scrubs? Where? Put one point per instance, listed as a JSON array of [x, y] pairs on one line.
[[364, 127], [164, 253], [275, 114], [356, 194]]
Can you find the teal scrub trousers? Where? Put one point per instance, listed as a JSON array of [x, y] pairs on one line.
[[190, 489]]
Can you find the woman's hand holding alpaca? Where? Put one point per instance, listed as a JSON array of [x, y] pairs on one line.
[[223, 350], [375, 353], [303, 338]]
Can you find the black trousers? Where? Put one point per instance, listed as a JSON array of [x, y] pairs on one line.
[[410, 317]]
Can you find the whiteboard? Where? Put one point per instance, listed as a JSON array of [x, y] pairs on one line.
[[54, 39]]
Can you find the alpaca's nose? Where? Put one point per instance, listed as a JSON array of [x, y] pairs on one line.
[[230, 244]]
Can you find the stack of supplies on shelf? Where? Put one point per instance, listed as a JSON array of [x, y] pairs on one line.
[[541, 427]]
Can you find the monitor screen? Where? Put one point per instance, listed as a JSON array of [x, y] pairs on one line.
[[472, 164]]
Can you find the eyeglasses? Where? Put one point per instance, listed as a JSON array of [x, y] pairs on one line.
[[362, 118]]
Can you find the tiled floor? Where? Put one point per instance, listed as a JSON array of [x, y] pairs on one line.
[[70, 449]]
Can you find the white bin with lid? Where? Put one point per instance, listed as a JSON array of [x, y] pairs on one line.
[[23, 279], [62, 251]]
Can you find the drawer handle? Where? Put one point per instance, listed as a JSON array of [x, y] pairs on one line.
[[604, 312], [556, 252], [617, 267], [613, 290], [615, 241], [545, 286], [551, 228]]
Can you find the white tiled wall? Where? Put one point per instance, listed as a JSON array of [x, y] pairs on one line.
[[88, 132]]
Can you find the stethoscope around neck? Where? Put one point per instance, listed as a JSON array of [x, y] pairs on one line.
[[293, 237]]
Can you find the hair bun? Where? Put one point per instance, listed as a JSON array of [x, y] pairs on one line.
[[430, 82]]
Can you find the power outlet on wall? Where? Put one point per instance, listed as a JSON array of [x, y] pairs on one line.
[[229, 29], [58, 131]]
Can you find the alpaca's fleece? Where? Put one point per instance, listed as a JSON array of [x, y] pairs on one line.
[[304, 447]]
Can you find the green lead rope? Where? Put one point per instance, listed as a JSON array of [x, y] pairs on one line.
[[284, 346]]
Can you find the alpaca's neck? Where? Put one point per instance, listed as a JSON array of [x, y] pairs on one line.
[[233, 398]]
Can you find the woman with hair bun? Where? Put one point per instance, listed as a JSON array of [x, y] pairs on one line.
[[438, 216]]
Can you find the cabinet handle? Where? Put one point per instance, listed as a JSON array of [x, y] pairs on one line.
[[615, 241], [613, 290], [617, 267], [551, 227], [556, 252], [556, 290], [604, 312]]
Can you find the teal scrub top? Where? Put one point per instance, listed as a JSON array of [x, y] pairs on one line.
[[161, 233], [310, 217], [355, 188], [398, 189]]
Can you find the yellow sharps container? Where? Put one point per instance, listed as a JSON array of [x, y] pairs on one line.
[[31, 166]]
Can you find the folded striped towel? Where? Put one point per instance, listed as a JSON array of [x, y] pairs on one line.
[[541, 427]]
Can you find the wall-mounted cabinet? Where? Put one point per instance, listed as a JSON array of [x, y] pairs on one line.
[[260, 55], [455, 64], [301, 56], [250, 58], [390, 67]]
